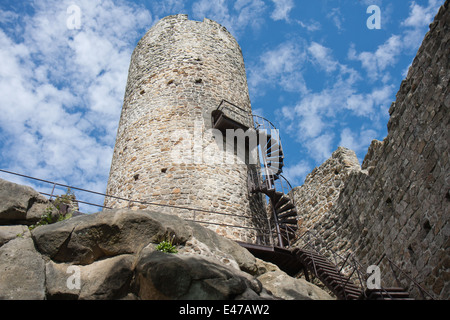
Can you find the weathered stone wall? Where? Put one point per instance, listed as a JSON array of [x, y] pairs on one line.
[[398, 202], [320, 191], [166, 151]]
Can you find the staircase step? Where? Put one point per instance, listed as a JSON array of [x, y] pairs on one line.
[[276, 196], [288, 221], [312, 256], [289, 229], [349, 294], [329, 269], [388, 294], [286, 207], [344, 284], [283, 200], [292, 213], [353, 296]]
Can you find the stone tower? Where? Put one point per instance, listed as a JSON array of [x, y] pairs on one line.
[[166, 151]]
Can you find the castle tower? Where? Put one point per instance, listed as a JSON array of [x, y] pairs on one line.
[[166, 150]]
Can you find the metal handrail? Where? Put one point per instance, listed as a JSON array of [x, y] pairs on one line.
[[357, 267], [421, 289], [334, 254], [263, 231]]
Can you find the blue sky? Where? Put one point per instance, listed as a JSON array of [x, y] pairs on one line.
[[314, 68]]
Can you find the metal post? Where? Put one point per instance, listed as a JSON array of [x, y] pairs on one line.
[[277, 226], [53, 190]]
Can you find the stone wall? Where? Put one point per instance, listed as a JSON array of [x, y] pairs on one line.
[[320, 191], [166, 151], [397, 203]]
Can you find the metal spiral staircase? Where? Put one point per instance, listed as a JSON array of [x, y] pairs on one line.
[[267, 179], [272, 183]]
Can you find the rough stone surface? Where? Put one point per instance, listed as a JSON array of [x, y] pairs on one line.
[[189, 277], [8, 233], [112, 255], [284, 287], [22, 271], [85, 239], [321, 190], [166, 151], [101, 280], [398, 202], [20, 204]]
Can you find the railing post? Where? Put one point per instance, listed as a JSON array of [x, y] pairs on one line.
[[53, 190], [277, 226]]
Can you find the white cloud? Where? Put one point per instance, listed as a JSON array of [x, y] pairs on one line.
[[358, 142], [371, 104], [316, 117], [387, 54], [371, 2], [235, 18], [281, 66], [312, 25], [61, 90], [321, 147], [296, 174], [417, 22], [166, 7], [376, 62], [337, 18], [421, 16], [282, 9], [322, 56]]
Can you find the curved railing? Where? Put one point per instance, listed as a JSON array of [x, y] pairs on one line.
[[271, 151]]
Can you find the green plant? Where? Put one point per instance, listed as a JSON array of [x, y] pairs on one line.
[[49, 217], [167, 246], [46, 218]]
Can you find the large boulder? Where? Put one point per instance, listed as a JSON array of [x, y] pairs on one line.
[[8, 233], [287, 288], [20, 204], [189, 277], [102, 280], [85, 239], [22, 271]]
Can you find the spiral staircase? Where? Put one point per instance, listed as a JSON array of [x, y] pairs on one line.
[[271, 182], [267, 179]]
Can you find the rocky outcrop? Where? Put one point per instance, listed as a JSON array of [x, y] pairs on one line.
[[113, 254], [20, 204]]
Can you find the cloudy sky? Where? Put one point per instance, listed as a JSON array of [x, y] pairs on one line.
[[325, 72]]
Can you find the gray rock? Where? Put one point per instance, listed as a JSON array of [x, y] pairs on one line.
[[245, 260], [102, 280], [22, 271], [287, 288], [8, 233], [168, 276], [115, 254], [84, 239], [20, 204]]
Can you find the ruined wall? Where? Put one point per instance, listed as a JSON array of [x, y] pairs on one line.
[[398, 203], [165, 149], [320, 191]]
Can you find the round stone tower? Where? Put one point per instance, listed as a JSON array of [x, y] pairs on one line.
[[167, 149]]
